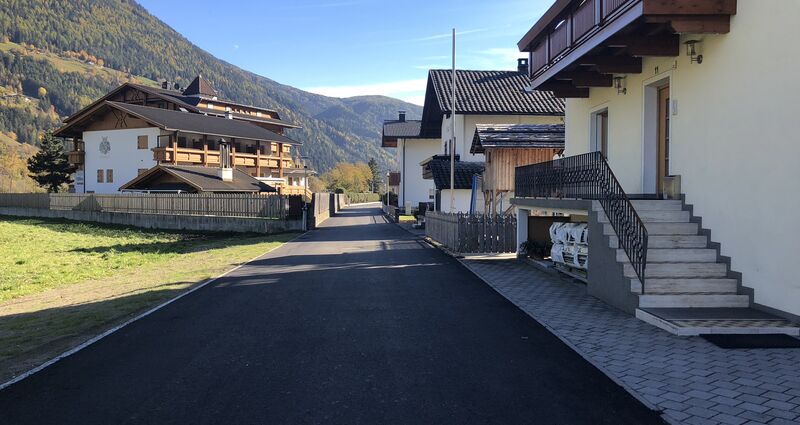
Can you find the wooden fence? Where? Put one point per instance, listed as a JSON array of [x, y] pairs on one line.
[[473, 234], [228, 205]]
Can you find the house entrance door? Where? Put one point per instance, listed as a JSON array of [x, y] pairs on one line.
[[663, 138]]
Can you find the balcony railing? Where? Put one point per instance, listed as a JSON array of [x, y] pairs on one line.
[[76, 157], [206, 157], [589, 176]]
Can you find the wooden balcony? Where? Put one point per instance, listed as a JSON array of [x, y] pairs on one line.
[[579, 44], [76, 158], [210, 158]]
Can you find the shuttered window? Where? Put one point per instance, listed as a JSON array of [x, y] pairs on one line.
[[142, 142], [109, 176], [100, 175]]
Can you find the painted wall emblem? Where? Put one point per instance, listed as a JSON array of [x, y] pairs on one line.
[[105, 146]]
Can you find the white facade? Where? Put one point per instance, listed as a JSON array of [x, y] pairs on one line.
[[118, 151], [733, 141], [462, 200], [410, 152], [465, 130]]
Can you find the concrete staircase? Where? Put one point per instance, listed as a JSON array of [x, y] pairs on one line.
[[684, 274]]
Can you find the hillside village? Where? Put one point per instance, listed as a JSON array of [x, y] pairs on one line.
[[598, 232]]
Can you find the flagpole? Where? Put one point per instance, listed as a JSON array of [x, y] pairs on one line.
[[453, 131]]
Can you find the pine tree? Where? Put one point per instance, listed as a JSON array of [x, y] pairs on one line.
[[49, 167], [375, 180]]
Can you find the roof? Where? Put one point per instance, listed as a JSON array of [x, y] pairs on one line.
[[394, 178], [542, 136], [200, 87], [265, 120], [490, 92], [196, 123], [203, 179], [440, 171], [401, 129], [165, 94]]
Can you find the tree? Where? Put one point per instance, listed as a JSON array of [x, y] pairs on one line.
[[42, 92], [348, 177], [375, 176], [49, 167]]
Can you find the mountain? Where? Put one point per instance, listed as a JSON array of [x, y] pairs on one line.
[[59, 55]]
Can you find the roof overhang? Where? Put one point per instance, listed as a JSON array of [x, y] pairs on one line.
[[579, 44]]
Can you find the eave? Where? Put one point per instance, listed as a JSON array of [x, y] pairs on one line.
[[578, 44]]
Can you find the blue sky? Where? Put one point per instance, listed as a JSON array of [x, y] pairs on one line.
[[353, 47]]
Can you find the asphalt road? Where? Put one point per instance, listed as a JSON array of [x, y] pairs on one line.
[[354, 323]]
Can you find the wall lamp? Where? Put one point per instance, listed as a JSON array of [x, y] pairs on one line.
[[691, 51], [619, 84]]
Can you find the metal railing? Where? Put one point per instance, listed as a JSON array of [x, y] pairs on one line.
[[589, 176]]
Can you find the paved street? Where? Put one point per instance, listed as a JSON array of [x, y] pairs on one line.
[[357, 322]]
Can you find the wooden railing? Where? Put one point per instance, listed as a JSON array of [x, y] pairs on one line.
[[76, 157], [572, 28], [228, 205], [589, 176], [473, 234], [209, 157]]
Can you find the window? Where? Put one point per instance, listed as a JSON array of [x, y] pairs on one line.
[[141, 171], [100, 175], [600, 132], [109, 176], [142, 142]]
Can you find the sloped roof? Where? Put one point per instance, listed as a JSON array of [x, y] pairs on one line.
[[440, 171], [401, 129], [203, 179], [197, 123], [490, 92], [200, 87], [545, 136]]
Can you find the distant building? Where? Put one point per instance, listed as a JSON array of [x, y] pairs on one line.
[[135, 128], [411, 149]]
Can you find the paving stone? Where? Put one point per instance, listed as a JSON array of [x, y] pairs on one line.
[[694, 381], [780, 421]]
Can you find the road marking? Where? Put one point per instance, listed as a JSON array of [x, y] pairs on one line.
[[143, 315]]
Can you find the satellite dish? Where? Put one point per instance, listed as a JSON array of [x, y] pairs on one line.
[[177, 86]]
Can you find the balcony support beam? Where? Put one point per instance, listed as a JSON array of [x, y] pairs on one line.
[[587, 78], [637, 45], [613, 64]]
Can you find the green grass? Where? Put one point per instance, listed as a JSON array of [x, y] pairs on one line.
[[62, 282], [407, 218], [37, 255]]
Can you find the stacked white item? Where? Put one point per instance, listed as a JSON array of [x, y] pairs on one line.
[[570, 245]]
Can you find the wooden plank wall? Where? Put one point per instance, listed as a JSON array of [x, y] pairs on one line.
[[499, 174]]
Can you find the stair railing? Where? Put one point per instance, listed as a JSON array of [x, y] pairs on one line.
[[588, 176]]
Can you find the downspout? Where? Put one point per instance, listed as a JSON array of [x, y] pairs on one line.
[[403, 175]]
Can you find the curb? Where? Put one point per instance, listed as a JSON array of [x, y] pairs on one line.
[[114, 329]]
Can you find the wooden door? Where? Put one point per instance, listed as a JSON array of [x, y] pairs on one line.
[[663, 137]]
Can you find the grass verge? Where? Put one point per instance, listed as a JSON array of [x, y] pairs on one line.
[[63, 282]]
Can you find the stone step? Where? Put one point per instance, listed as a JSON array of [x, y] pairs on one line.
[[684, 286], [704, 321], [677, 255], [693, 301], [680, 270], [661, 229], [668, 241], [656, 217], [658, 205]]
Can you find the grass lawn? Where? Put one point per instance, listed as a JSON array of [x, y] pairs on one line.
[[62, 282], [407, 218]]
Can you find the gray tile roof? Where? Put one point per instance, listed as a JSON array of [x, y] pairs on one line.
[[440, 170], [203, 179], [490, 92], [197, 123], [545, 136], [401, 129]]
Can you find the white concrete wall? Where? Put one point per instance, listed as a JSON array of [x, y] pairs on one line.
[[465, 130], [734, 141], [462, 200], [413, 188], [124, 157]]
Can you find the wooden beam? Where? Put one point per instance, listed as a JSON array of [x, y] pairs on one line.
[[638, 45], [689, 7], [576, 92], [708, 24], [613, 64], [258, 158], [586, 78]]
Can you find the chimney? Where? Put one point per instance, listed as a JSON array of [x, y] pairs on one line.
[[225, 172], [522, 65], [402, 115], [165, 84]]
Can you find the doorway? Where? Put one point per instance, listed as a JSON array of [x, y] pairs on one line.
[[600, 132], [663, 138]]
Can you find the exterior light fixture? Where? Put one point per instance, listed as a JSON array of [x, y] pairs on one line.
[[619, 84], [691, 51]]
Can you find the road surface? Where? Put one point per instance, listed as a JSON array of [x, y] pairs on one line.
[[355, 323]]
